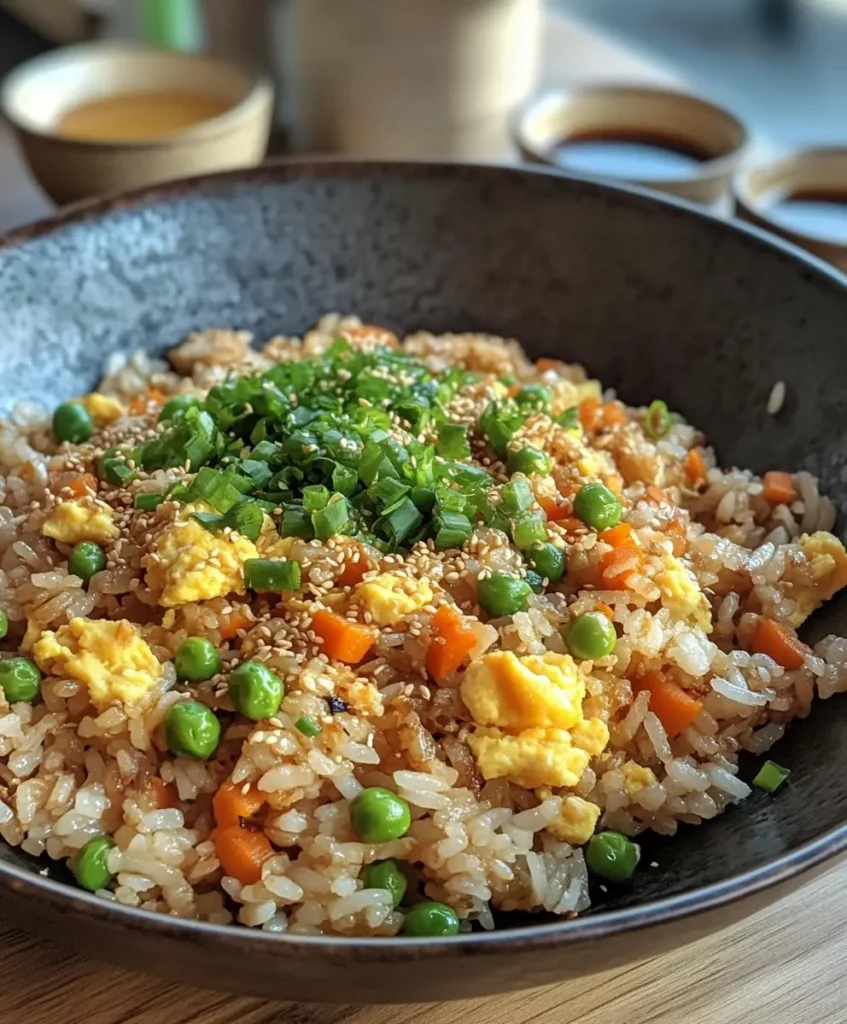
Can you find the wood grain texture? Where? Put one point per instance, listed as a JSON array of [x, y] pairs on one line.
[[785, 965]]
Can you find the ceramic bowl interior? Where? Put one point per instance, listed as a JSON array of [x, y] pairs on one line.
[[600, 111], [656, 299], [37, 94], [813, 173]]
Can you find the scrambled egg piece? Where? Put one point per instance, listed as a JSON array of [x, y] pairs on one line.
[[83, 519], [636, 778], [103, 409], [681, 595], [575, 822], [544, 691], [271, 545], [529, 722], [828, 567], [390, 598], [535, 757], [110, 658], [188, 563]]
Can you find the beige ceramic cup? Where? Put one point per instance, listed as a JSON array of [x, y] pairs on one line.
[[36, 95], [553, 117], [411, 79], [809, 172]]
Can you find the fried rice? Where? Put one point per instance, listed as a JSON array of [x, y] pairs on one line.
[[509, 750]]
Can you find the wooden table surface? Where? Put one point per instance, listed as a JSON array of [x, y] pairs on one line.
[[785, 965]]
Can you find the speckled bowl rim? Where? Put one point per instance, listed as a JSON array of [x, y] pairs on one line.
[[561, 934], [259, 94]]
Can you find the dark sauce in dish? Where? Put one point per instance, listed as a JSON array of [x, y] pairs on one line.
[[632, 155], [820, 213]]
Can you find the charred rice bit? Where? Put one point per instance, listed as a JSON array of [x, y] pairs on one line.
[[425, 641]]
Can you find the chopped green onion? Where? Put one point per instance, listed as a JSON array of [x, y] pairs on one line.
[[272, 574], [246, 519], [148, 502], [453, 530], [315, 497], [112, 467], [297, 522], [332, 519], [344, 479], [658, 421], [770, 776], [516, 496], [529, 530], [400, 523], [499, 421], [569, 418], [308, 726], [453, 441]]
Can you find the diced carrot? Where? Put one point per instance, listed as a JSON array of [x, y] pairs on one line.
[[139, 404], [242, 852], [452, 642], [235, 620], [79, 486], [571, 524], [605, 609], [232, 806], [657, 495], [161, 793], [695, 467], [778, 487], [674, 708], [542, 365], [552, 508], [341, 639], [354, 571], [618, 565], [590, 413], [617, 536], [614, 415], [779, 643], [381, 335]]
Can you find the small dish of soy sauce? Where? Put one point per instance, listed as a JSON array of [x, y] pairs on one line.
[[801, 196], [656, 138]]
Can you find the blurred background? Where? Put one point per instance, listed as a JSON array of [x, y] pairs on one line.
[[780, 66]]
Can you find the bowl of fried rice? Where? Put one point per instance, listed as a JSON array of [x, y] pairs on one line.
[[416, 581]]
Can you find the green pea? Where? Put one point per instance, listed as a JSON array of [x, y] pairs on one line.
[[89, 866], [500, 594], [176, 406], [255, 690], [597, 506], [430, 919], [535, 397], [535, 581], [71, 422], [591, 636], [658, 421], [20, 680], [549, 560], [196, 660], [529, 460], [86, 559], [192, 730], [4, 623], [385, 874], [378, 815], [612, 856]]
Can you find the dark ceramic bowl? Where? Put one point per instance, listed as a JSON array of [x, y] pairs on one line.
[[656, 298]]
